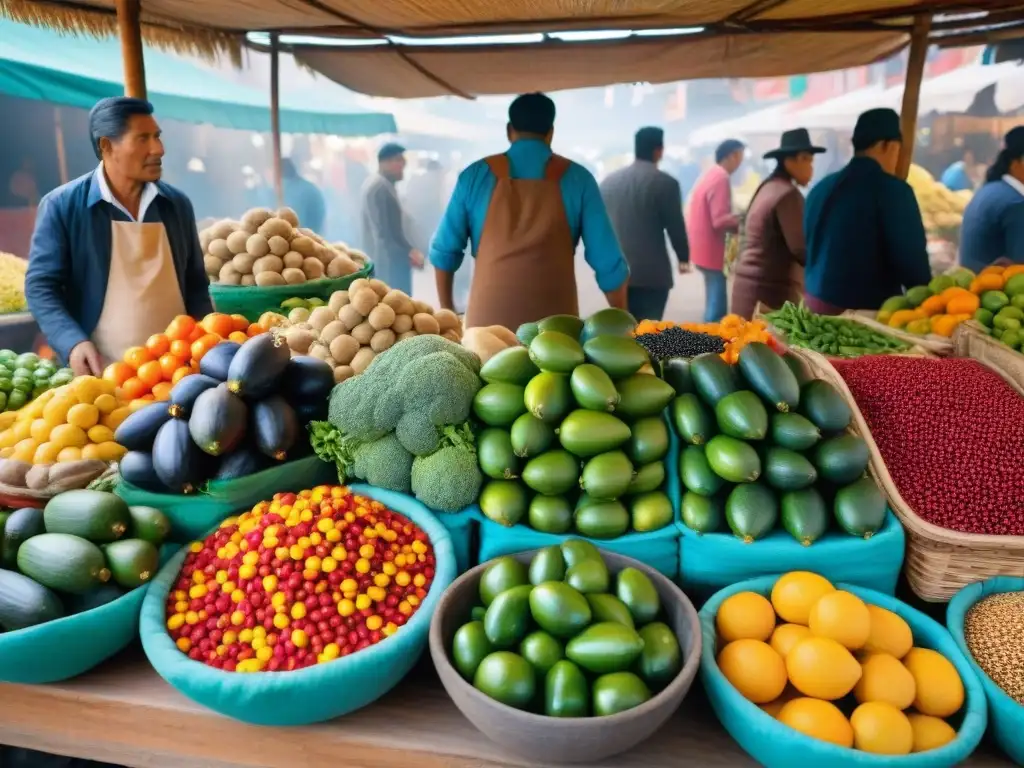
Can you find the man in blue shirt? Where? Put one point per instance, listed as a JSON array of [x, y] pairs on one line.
[[993, 226], [865, 238], [524, 213], [957, 176], [115, 254]]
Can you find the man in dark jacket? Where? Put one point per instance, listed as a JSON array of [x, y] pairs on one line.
[[644, 203], [384, 235], [865, 238]]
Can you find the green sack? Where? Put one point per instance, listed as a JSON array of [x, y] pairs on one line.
[[253, 301], [68, 647], [193, 515]]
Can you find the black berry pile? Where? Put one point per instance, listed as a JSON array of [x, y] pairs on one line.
[[678, 342]]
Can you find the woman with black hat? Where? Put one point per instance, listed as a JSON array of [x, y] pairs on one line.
[[993, 225], [770, 266]]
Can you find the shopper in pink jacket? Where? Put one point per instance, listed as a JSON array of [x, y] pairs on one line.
[[708, 220]]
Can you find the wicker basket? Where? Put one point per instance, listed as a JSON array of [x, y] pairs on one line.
[[937, 345], [971, 340], [939, 562]]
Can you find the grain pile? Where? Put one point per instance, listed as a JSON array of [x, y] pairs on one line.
[[994, 631]]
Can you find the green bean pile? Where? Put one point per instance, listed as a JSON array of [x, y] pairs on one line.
[[834, 336]]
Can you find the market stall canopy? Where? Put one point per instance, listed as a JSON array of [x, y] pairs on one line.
[[39, 64], [770, 120], [951, 92]]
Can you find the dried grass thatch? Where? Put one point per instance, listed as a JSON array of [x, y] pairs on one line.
[[99, 22]]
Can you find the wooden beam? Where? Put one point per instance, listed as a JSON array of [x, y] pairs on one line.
[[275, 114], [912, 91], [58, 135], [129, 29]]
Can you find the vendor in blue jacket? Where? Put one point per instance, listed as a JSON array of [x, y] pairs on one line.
[[863, 229], [993, 226], [115, 254]]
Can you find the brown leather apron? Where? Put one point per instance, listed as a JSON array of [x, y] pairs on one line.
[[525, 268]]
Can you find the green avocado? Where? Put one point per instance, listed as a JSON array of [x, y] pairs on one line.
[[507, 677], [804, 515], [550, 514], [502, 574], [618, 692], [548, 396], [469, 647], [637, 591], [566, 692], [559, 609], [547, 565], [556, 352], [508, 616], [661, 658], [605, 647]]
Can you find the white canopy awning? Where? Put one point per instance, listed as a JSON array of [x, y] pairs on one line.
[[771, 120]]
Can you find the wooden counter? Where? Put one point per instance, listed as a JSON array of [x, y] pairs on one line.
[[123, 713]]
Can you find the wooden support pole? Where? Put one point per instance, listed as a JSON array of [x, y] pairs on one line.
[[58, 132], [912, 91], [275, 113], [129, 29]]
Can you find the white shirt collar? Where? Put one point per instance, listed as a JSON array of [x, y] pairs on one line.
[[149, 193], [1015, 183]]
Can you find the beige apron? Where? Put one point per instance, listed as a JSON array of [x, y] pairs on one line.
[[142, 291], [525, 267]]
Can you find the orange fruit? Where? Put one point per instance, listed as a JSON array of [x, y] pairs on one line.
[[238, 336], [218, 323], [133, 388], [147, 398], [162, 390], [180, 374], [169, 364], [197, 333], [180, 328], [137, 356], [158, 344], [239, 323], [255, 329], [150, 374], [203, 345], [181, 349], [118, 373]]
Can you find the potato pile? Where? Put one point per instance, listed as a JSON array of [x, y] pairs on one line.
[[269, 248], [358, 324]]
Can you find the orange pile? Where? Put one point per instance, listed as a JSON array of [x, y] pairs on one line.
[[736, 332], [148, 372]]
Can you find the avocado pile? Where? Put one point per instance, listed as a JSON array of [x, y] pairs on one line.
[[575, 437], [1002, 312], [245, 411], [764, 446], [25, 377], [85, 549], [564, 637]]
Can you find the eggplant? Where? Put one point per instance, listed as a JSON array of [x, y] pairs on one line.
[[177, 461], [218, 421], [185, 392], [138, 431], [257, 368], [242, 462], [216, 361], [307, 380], [136, 467], [275, 427], [307, 412]]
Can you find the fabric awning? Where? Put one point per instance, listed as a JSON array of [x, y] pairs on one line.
[[39, 64], [403, 72], [770, 120]]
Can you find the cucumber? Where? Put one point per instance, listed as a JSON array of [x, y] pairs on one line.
[[741, 415], [713, 378], [769, 376], [63, 562], [702, 514], [787, 470], [22, 525], [751, 511], [804, 515], [696, 473], [842, 459], [797, 367], [94, 515], [693, 422], [150, 524], [132, 562], [822, 404], [793, 431], [24, 603], [676, 371], [860, 508]]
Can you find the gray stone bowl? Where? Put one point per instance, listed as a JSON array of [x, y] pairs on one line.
[[564, 740]]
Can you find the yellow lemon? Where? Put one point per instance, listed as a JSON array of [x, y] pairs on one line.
[[87, 388], [929, 732], [745, 615], [108, 451], [940, 692], [46, 453], [40, 430], [69, 454], [84, 415], [889, 633], [100, 434], [25, 450], [8, 437], [754, 669], [786, 636], [843, 617], [21, 431], [775, 706], [822, 668], [113, 419], [885, 679], [69, 436], [7, 418], [819, 720], [796, 592], [881, 729], [106, 403], [56, 410]]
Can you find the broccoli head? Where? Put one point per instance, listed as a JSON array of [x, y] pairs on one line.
[[447, 480], [437, 390], [384, 463]]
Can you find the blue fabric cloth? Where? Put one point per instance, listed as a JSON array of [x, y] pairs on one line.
[[955, 177], [775, 745], [1005, 716], [69, 259], [588, 220], [461, 526], [865, 237], [993, 226], [716, 299]]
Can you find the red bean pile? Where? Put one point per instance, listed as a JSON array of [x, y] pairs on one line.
[[951, 432]]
